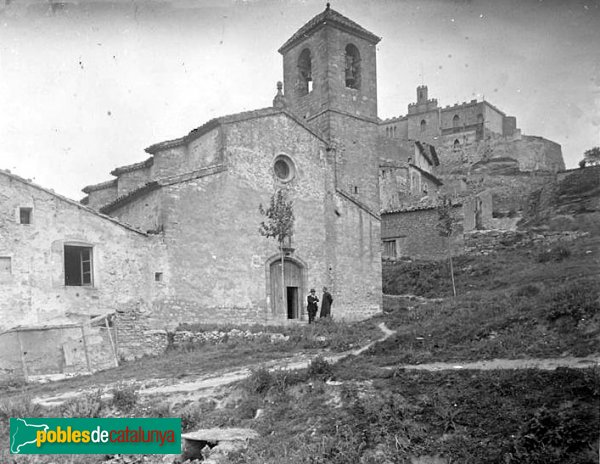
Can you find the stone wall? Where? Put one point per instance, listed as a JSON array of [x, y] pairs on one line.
[[46, 351], [530, 152], [489, 241], [33, 289], [137, 340], [416, 235], [103, 196], [131, 180]]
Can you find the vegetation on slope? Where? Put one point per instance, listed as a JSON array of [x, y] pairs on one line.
[[513, 304]]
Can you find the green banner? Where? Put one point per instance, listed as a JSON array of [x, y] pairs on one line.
[[95, 436]]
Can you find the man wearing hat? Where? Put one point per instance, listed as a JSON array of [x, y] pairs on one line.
[[312, 307]]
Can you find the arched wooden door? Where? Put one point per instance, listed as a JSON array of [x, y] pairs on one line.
[[290, 306]]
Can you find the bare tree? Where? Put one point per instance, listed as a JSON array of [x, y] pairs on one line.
[[279, 225], [445, 227]]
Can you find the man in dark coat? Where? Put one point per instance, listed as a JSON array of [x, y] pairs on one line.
[[312, 307], [326, 302]]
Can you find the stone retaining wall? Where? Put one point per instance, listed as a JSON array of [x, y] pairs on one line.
[[154, 342], [488, 241]]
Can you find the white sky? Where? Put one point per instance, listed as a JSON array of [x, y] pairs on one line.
[[88, 86]]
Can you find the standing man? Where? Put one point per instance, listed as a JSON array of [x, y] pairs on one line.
[[326, 303], [312, 307]]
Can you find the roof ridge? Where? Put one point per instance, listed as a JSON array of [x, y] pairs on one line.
[[328, 16], [99, 186], [133, 167], [70, 201]]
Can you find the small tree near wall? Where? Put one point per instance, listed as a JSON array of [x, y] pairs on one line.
[[279, 225], [445, 227], [592, 156]]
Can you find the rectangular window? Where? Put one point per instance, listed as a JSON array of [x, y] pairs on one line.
[[5, 266], [78, 266], [25, 215], [389, 248], [158, 276]]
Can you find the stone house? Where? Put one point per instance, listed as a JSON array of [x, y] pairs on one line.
[[61, 262], [406, 174]]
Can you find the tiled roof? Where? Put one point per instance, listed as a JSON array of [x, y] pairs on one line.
[[423, 206], [71, 202], [138, 192], [155, 185], [100, 186], [228, 119], [358, 203], [334, 18], [133, 167]]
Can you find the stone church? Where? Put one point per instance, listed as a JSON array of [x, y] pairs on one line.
[[175, 238]]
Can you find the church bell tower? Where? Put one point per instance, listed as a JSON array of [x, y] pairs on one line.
[[330, 81]]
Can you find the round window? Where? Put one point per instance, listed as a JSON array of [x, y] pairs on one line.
[[284, 169]]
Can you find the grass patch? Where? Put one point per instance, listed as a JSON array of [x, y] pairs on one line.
[[505, 269], [465, 416], [125, 397]]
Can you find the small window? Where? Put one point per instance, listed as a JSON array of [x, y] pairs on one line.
[[284, 168], [158, 276], [352, 71], [456, 145], [423, 125], [25, 215], [456, 122], [356, 189], [5, 266], [389, 248], [78, 266]]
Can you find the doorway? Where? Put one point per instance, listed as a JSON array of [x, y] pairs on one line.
[[289, 307], [292, 303]]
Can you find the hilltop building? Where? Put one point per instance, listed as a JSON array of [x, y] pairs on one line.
[[470, 132]]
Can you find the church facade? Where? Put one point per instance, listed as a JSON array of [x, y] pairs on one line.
[[184, 223]]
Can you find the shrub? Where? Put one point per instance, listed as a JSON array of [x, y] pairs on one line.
[[527, 291], [552, 436], [556, 254], [319, 368], [576, 301], [125, 397], [259, 381], [88, 405], [162, 409], [191, 416], [19, 406]]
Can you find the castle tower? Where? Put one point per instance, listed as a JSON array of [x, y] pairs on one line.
[[422, 95], [330, 81]]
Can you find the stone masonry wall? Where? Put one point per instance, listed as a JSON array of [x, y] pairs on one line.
[[132, 180], [32, 288], [101, 197], [416, 234], [489, 241]]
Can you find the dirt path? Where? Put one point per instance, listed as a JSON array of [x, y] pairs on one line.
[[544, 364], [208, 386]]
